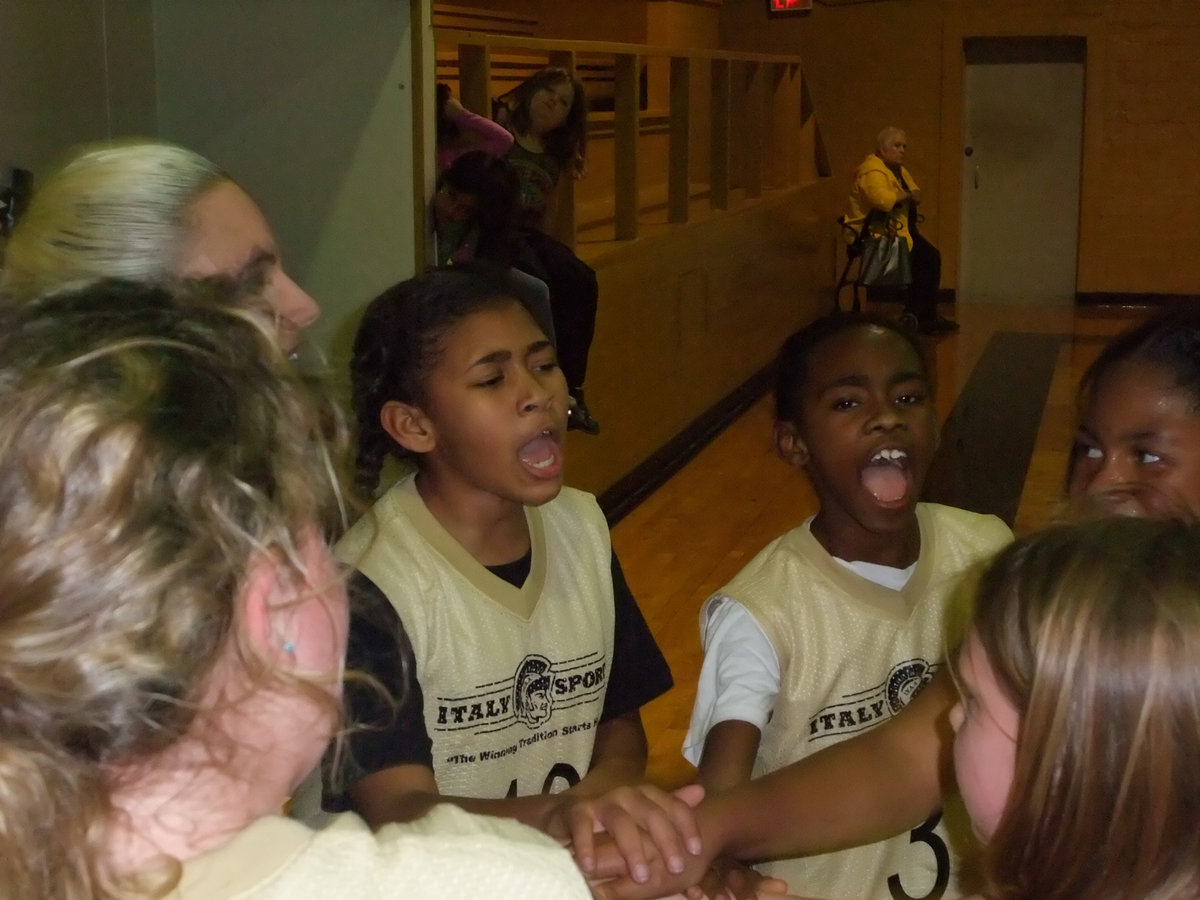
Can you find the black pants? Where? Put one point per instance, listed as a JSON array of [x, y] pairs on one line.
[[574, 296], [921, 298]]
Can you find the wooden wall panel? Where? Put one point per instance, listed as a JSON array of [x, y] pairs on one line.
[[688, 315], [874, 64]]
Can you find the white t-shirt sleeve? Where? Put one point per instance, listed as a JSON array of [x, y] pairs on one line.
[[739, 678]]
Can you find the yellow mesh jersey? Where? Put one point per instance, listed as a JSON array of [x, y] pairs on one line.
[[513, 678], [852, 653], [446, 853]]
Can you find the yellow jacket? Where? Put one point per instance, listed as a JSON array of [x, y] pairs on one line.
[[877, 187]]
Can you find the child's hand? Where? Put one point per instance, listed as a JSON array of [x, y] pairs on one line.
[[728, 879], [724, 880], [646, 828], [501, 113]]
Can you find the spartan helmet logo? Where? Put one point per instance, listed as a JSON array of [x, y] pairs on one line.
[[904, 682], [532, 702]]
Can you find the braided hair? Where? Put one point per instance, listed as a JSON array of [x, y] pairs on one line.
[[399, 342]]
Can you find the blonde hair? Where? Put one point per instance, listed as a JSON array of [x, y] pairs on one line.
[[1093, 630], [153, 442], [115, 210]]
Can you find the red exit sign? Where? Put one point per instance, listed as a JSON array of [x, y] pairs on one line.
[[784, 7]]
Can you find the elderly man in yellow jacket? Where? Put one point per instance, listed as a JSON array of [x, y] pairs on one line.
[[882, 183]]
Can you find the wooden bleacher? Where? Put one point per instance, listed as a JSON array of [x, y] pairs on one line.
[[510, 68], [491, 21]]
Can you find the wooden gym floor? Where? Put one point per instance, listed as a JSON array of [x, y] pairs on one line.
[[1005, 390]]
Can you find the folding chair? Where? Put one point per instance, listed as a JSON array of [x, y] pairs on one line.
[[854, 250]]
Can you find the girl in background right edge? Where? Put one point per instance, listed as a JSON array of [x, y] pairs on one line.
[[1078, 729]]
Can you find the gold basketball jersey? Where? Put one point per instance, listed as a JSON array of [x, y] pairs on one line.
[[513, 678], [852, 653]]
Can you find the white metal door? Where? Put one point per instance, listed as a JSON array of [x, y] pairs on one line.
[[1021, 168]]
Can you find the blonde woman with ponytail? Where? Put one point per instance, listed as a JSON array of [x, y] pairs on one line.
[[148, 210], [172, 626]]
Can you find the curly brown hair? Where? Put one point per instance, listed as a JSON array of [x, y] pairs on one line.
[[153, 442]]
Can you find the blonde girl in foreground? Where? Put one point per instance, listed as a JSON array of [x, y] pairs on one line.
[[1079, 725], [173, 627]]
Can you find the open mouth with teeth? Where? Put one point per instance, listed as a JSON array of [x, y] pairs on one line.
[[886, 476], [542, 455]]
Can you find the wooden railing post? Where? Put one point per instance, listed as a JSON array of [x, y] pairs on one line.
[[758, 126], [752, 115], [719, 163], [679, 149], [474, 78], [626, 121], [781, 128]]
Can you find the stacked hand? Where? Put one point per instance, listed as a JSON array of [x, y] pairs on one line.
[[632, 832], [641, 842]]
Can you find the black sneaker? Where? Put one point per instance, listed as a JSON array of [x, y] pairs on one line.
[[938, 325], [579, 417]]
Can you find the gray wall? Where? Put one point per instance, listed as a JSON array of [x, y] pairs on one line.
[[72, 71], [307, 103]]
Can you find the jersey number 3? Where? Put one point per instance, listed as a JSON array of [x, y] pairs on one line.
[[924, 834]]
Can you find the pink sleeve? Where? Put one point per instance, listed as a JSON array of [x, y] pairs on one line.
[[483, 134]]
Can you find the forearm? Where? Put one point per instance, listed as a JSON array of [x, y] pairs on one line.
[[411, 805], [484, 134], [862, 790], [728, 758], [881, 192], [533, 810], [618, 756], [406, 792]]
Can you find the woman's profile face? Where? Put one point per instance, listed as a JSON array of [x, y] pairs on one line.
[[892, 151], [228, 235]]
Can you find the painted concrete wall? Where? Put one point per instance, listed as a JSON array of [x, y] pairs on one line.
[[312, 113], [901, 62], [690, 313], [71, 73]]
